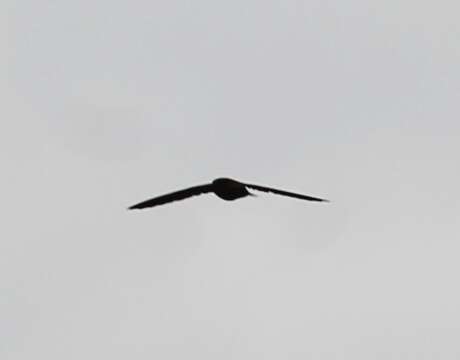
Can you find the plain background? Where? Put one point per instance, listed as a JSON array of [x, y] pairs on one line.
[[107, 103]]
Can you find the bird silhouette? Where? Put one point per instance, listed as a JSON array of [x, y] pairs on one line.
[[225, 188]]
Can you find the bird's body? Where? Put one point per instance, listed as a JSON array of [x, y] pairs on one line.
[[224, 188], [229, 189]]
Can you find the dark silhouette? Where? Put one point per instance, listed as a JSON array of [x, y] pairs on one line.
[[227, 189]]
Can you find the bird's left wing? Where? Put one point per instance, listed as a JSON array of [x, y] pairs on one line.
[[284, 193], [174, 196]]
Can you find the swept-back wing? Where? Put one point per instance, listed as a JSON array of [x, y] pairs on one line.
[[174, 196], [284, 193]]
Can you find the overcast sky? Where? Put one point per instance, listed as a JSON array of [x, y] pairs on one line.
[[107, 103]]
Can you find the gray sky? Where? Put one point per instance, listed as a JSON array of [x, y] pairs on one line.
[[108, 103]]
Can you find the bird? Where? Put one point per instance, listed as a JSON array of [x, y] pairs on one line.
[[225, 188]]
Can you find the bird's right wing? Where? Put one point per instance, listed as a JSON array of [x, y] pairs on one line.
[[174, 196], [284, 193]]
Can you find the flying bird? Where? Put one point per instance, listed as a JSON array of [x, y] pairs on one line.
[[225, 188]]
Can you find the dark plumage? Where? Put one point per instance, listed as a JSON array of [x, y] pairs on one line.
[[225, 188]]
